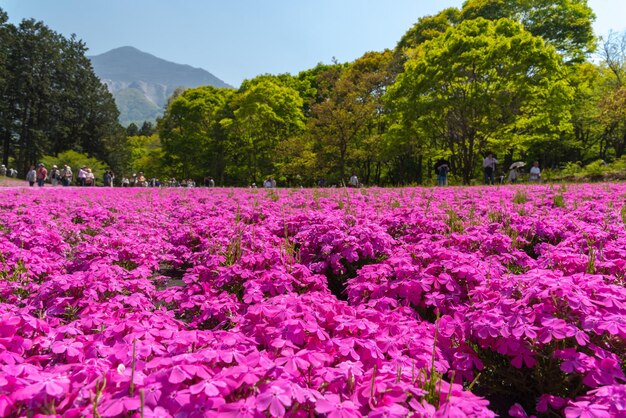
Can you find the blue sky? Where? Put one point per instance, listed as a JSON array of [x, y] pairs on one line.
[[239, 39]]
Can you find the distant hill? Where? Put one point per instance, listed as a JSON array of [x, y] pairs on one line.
[[141, 83]]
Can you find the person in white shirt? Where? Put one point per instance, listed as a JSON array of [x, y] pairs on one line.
[[354, 181], [82, 176], [489, 167], [535, 172]]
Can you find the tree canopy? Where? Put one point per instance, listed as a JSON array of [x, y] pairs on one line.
[[565, 24], [483, 84], [50, 98]]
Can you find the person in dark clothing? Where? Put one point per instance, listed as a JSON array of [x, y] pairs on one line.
[[442, 167]]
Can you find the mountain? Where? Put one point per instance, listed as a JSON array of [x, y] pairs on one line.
[[141, 83]]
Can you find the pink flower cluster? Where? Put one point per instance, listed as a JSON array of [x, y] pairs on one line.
[[336, 303]]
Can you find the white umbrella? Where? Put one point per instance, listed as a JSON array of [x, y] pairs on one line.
[[517, 165]]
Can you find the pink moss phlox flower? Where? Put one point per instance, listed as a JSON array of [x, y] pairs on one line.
[[333, 407], [585, 409], [273, 399]]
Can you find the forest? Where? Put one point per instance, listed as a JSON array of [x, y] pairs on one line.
[[524, 79]]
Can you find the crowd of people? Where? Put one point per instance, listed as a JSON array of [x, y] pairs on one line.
[[85, 177], [490, 169], [8, 172], [65, 177]]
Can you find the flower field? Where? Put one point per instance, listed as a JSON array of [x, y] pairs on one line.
[[331, 303]]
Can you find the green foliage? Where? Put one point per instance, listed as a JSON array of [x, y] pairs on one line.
[[452, 92], [146, 155], [50, 99], [520, 197], [429, 27], [558, 201], [595, 171], [565, 24], [263, 113], [347, 125], [191, 134]]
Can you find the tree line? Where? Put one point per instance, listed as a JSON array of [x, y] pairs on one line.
[[515, 78], [50, 99], [524, 79]]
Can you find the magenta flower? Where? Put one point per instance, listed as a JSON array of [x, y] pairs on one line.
[[392, 411], [516, 411], [333, 407], [6, 404], [584, 409], [208, 387], [117, 407], [71, 347], [273, 399], [157, 412], [245, 408], [53, 386]]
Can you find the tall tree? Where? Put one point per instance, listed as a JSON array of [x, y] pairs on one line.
[[612, 104], [51, 99], [565, 24], [482, 83], [350, 113], [189, 132], [6, 38], [265, 112]]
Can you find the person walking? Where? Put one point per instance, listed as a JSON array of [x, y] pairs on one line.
[[513, 175], [354, 181], [55, 175], [90, 179], [82, 176], [107, 179], [42, 175], [489, 167], [535, 172], [31, 176], [66, 175], [441, 168]]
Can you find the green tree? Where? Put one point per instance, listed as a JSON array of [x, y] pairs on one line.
[[51, 99], [132, 129], [565, 24], [428, 28], [146, 155], [6, 39], [147, 129], [483, 83], [349, 116], [612, 94], [190, 133], [264, 112]]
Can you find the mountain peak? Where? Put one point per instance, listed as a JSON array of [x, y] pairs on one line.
[[128, 64], [153, 80]]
